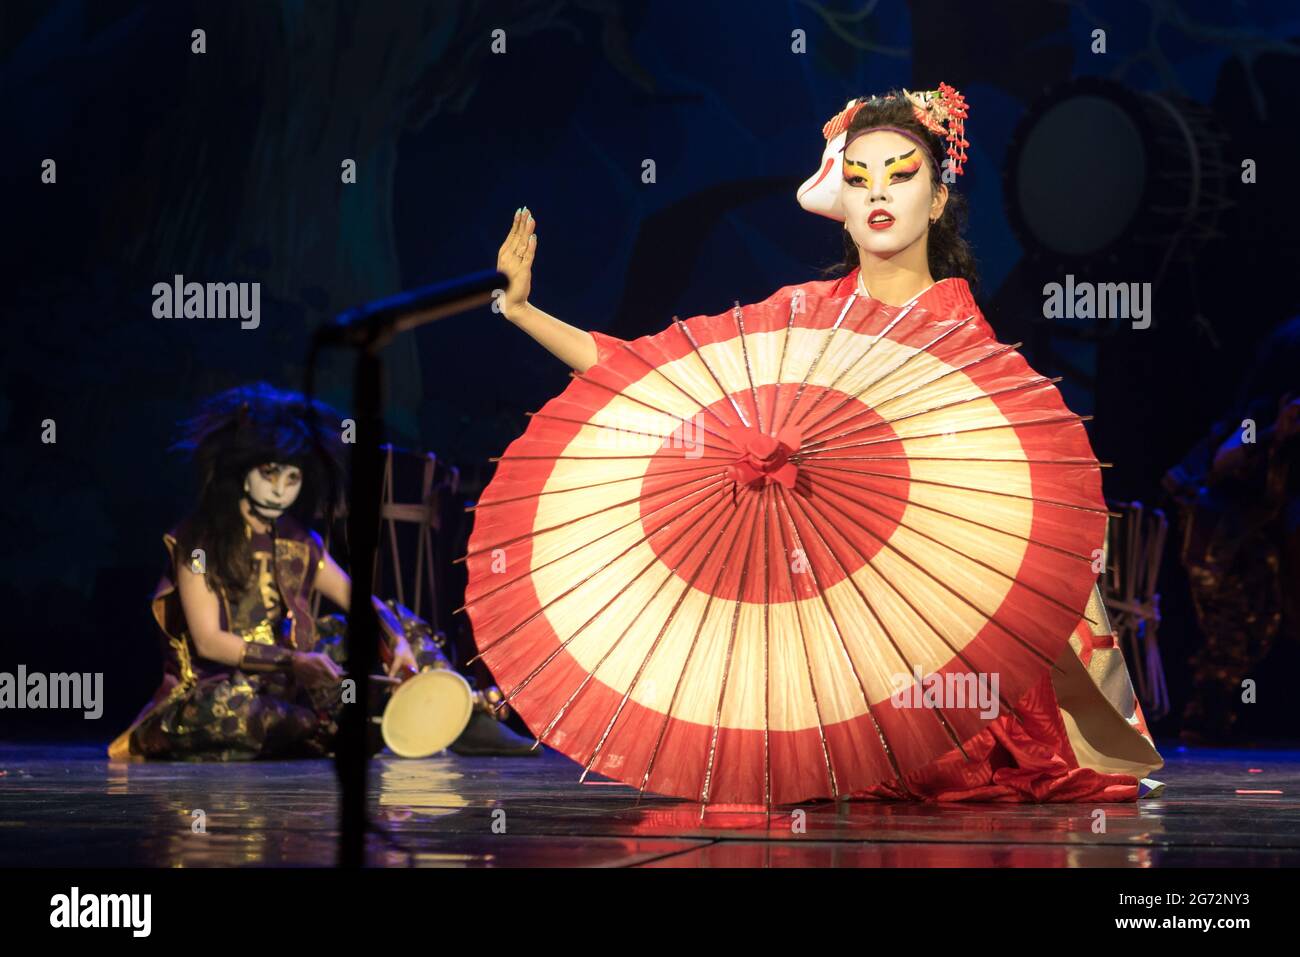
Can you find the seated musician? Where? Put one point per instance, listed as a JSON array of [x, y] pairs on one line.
[[247, 672]]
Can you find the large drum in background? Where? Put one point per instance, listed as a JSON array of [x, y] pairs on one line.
[[1098, 175]]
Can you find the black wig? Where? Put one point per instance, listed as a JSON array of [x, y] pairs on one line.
[[235, 432]]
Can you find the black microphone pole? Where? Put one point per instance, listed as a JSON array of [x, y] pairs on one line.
[[368, 329], [373, 325]]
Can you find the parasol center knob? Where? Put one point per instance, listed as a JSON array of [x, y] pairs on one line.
[[765, 458]]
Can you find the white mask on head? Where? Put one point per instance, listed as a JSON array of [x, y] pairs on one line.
[[272, 488]]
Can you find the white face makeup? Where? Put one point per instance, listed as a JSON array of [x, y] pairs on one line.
[[272, 488], [886, 193]]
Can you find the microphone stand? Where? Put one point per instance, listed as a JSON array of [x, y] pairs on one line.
[[367, 330]]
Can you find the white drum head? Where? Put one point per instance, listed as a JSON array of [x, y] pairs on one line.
[[427, 713]]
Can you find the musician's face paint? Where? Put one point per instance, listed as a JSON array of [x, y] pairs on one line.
[[271, 488], [885, 172]]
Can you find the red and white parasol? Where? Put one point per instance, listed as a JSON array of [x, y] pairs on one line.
[[732, 561]]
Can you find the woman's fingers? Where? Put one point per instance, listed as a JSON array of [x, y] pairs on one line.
[[512, 237], [515, 258], [520, 243], [525, 230], [528, 242], [516, 242]]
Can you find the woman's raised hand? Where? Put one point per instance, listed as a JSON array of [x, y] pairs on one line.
[[574, 347], [515, 259]]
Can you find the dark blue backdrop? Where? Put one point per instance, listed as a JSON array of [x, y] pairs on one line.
[[226, 166]]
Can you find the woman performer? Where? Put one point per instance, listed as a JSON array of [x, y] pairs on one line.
[[247, 671], [242, 674], [1079, 734]]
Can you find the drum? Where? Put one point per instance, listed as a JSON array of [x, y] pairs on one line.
[[426, 713]]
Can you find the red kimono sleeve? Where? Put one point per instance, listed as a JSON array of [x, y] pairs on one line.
[[606, 346]]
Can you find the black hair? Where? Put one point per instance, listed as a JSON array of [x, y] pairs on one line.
[[235, 432]]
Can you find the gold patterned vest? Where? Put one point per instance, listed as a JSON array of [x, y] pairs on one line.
[[275, 609]]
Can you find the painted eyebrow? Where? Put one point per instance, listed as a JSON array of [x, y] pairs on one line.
[[892, 159], [900, 156]]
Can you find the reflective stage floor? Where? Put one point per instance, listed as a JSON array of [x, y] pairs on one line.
[[67, 806]]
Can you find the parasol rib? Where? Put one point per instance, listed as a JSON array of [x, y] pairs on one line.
[[780, 367], [690, 653], [558, 716], [631, 398], [992, 354], [923, 350], [658, 370], [803, 643], [813, 464], [749, 371], [1015, 426], [541, 610], [785, 498], [599, 458], [916, 611], [1087, 559], [1030, 384], [573, 551], [767, 654], [654, 646], [989, 617], [825, 344], [582, 488], [971, 558], [959, 458], [587, 423], [726, 669], [685, 330], [533, 533]]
